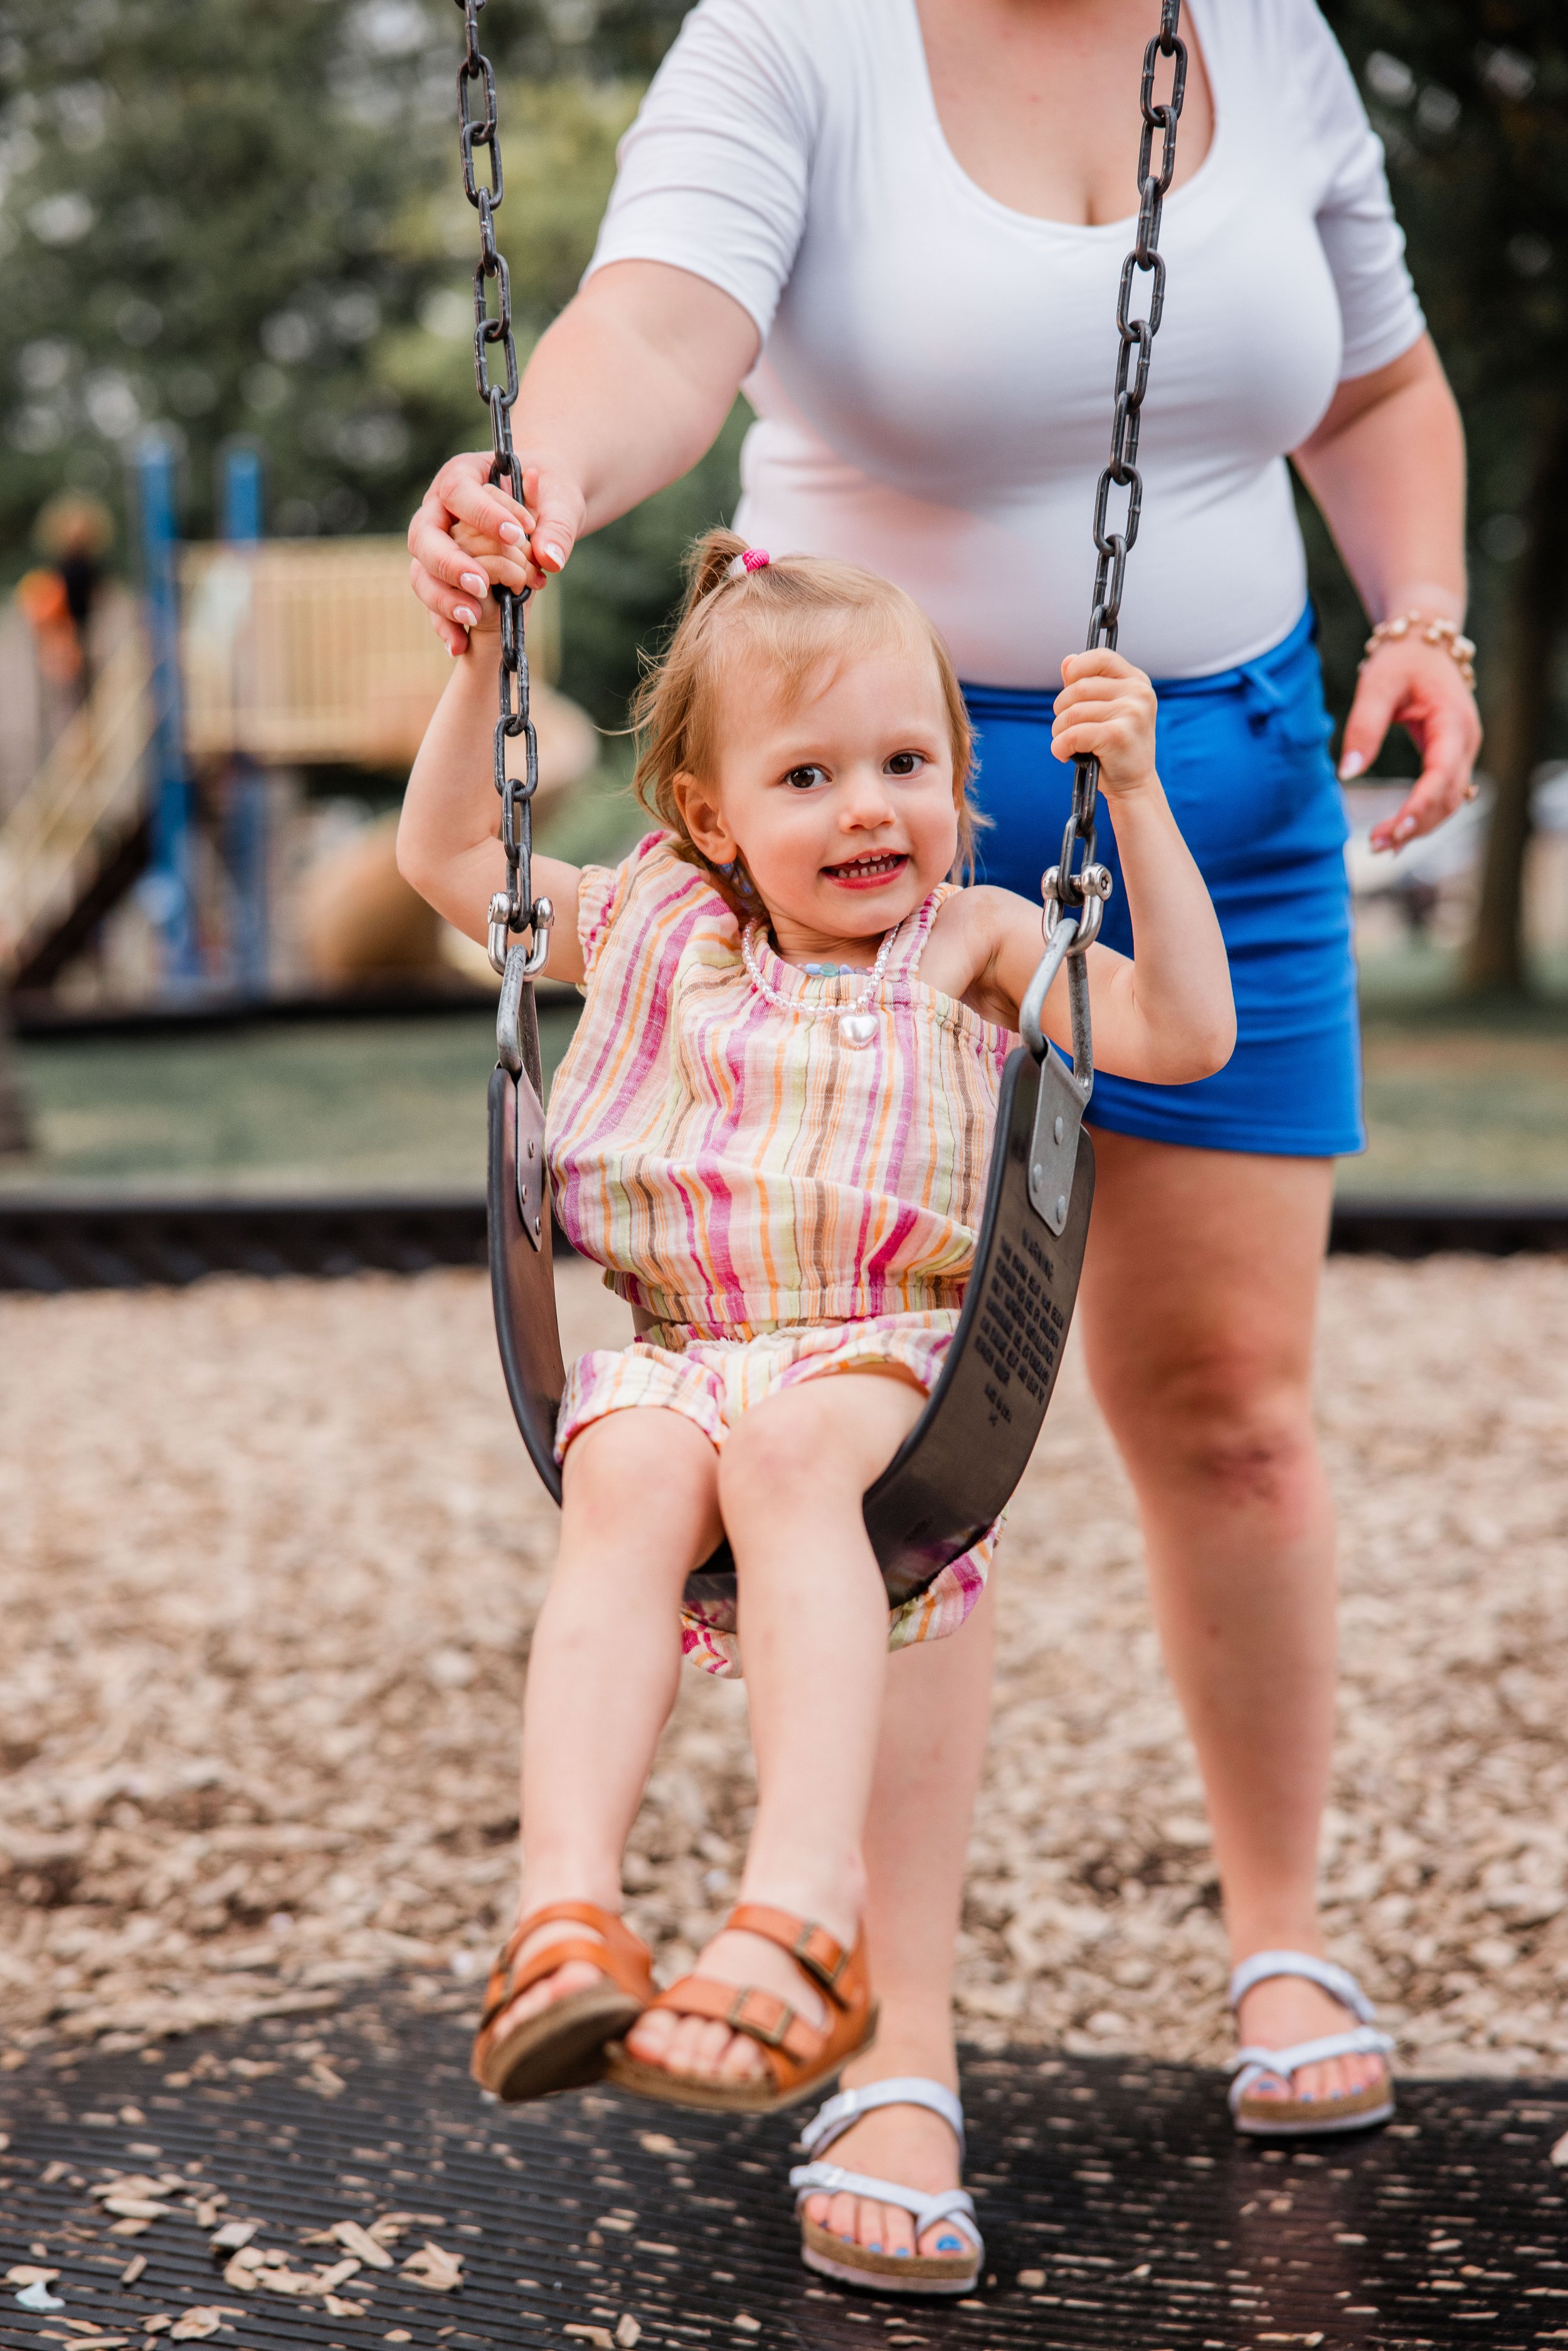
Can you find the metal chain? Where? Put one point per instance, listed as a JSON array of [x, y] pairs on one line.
[[1087, 889], [515, 908]]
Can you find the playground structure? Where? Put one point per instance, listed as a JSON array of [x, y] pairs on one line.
[[243, 662]]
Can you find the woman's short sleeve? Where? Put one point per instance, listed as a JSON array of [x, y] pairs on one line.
[[714, 173], [1363, 243]]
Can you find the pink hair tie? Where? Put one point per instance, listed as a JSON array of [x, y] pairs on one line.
[[755, 558]]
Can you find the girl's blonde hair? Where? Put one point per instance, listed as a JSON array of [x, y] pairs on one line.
[[797, 612]]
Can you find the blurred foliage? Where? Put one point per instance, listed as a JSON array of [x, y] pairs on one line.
[[1471, 102], [1470, 98], [247, 217]]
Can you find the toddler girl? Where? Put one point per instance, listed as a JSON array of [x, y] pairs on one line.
[[772, 1129]]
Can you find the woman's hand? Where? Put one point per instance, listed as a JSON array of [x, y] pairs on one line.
[[1410, 684], [469, 536], [1106, 710]]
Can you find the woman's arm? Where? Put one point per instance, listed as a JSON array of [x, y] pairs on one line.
[[1167, 1018], [1386, 466], [448, 839], [624, 393]]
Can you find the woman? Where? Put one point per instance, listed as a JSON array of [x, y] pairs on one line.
[[900, 223]]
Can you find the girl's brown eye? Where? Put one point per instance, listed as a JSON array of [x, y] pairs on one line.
[[906, 763], [806, 780]]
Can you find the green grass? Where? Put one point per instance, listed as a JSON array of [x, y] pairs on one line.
[[1460, 1098], [348, 1106]]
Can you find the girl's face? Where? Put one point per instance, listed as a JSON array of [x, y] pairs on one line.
[[840, 798]]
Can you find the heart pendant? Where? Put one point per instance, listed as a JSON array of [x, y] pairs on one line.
[[858, 1030]]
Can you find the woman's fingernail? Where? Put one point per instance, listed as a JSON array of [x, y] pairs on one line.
[[461, 612], [1351, 766], [476, 585], [1405, 827], [551, 553], [512, 533]]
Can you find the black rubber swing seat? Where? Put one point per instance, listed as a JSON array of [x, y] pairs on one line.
[[961, 1462]]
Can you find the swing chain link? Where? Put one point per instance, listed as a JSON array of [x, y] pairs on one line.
[[514, 908], [1083, 890]]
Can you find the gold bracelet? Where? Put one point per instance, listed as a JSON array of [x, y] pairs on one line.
[[1459, 648]]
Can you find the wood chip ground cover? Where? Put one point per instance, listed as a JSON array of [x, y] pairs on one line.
[[271, 1556]]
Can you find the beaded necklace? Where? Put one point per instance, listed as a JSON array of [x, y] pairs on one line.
[[857, 1026]]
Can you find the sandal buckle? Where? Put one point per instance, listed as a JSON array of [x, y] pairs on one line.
[[771, 2036], [801, 1952]]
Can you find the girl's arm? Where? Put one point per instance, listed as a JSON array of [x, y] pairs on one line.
[[1167, 1017], [448, 840]]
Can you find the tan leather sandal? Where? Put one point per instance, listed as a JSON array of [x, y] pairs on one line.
[[563, 2046], [799, 2057]]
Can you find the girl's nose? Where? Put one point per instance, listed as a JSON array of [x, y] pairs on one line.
[[867, 802]]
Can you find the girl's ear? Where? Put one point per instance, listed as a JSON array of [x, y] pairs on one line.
[[705, 829]]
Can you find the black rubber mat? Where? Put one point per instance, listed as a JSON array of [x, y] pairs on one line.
[[1119, 2209]]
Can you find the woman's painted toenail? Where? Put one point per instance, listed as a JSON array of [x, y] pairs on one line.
[[873, 2249], [949, 2245]]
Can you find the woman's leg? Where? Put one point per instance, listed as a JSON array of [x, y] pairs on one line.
[[813, 1634], [606, 1657], [1199, 1309], [936, 1715]]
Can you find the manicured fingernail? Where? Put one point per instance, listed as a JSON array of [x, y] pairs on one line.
[[475, 583], [1351, 766], [551, 553], [1405, 827], [461, 612], [512, 533]]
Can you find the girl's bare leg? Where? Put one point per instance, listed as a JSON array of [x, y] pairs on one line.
[[936, 1715], [813, 1631], [639, 1510], [1199, 1309]]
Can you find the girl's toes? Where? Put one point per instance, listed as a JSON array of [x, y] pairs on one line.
[[651, 2036], [742, 2061]]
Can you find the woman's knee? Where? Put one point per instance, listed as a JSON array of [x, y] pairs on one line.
[[1235, 1422]]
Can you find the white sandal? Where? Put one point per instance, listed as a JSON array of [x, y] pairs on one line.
[[1291, 2118], [858, 2265]]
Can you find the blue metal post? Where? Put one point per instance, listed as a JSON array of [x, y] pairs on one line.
[[167, 890], [246, 828]]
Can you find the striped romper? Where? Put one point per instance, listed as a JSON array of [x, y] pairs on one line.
[[778, 1205]]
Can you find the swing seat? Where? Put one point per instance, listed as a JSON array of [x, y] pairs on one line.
[[955, 1471]]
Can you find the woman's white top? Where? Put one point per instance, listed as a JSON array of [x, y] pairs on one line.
[[934, 386]]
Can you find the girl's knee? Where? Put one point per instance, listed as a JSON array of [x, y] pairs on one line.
[[639, 1467], [821, 1440]]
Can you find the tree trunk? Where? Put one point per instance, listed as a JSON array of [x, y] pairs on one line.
[[1518, 710], [15, 1132]]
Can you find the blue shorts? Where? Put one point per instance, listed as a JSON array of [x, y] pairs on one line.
[[1243, 756]]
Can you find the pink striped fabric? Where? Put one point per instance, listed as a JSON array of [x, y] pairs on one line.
[[782, 1206], [735, 1166]]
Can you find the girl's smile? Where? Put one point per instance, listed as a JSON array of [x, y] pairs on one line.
[[869, 871]]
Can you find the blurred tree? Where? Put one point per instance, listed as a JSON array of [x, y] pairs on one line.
[[1471, 99], [248, 215]]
